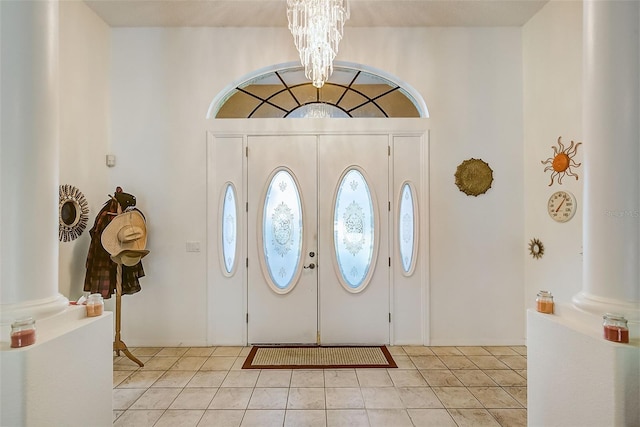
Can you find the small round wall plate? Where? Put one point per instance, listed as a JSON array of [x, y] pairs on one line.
[[562, 206]]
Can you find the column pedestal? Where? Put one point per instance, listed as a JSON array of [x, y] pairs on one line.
[[577, 378], [65, 378]]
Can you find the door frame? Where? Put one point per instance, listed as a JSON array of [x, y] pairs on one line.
[[227, 296]]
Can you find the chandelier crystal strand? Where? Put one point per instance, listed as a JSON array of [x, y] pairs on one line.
[[317, 27]]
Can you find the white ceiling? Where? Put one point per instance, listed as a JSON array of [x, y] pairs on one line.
[[272, 13]]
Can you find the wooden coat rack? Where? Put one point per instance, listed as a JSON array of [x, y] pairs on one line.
[[118, 344]]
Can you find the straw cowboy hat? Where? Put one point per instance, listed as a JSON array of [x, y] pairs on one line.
[[125, 238]]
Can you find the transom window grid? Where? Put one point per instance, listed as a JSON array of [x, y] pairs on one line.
[[355, 93]]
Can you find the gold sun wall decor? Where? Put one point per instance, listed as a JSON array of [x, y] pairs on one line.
[[536, 249], [474, 177], [73, 213], [562, 161]]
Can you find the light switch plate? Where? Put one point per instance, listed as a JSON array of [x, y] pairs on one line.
[[193, 246]]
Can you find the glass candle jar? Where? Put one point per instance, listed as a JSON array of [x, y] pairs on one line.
[[544, 302], [95, 305], [23, 332], [615, 328]]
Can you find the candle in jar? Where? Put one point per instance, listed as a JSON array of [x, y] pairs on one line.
[[23, 338], [23, 332], [545, 307], [95, 305], [94, 310], [544, 302], [615, 328], [616, 334]]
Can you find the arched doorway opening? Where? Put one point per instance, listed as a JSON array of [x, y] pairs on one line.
[[319, 159]]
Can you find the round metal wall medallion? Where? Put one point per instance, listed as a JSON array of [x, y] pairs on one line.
[[536, 248], [474, 177]]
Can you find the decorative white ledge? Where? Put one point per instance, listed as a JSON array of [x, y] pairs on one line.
[[62, 379], [577, 378]]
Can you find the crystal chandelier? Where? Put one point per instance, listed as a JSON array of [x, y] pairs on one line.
[[317, 27]]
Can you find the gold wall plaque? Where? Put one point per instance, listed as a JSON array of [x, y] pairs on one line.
[[474, 177]]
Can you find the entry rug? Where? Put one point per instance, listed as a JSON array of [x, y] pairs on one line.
[[312, 357]]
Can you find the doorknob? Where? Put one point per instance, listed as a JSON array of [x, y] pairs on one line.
[[310, 266]]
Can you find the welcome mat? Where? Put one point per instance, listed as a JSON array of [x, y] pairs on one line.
[[312, 357]]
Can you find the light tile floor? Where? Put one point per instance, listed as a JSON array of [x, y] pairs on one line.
[[432, 386]]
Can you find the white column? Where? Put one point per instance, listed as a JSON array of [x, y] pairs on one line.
[[29, 160], [611, 159]]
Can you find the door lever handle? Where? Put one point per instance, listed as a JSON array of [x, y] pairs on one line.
[[310, 266]]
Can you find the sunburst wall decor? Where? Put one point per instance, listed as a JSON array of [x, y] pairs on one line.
[[73, 213], [536, 249], [562, 161]]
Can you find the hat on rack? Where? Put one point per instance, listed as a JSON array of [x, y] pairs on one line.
[[125, 238]]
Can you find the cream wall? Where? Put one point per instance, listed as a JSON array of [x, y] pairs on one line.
[[552, 54], [471, 80], [162, 81], [84, 126]]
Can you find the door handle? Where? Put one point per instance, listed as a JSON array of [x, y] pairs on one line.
[[310, 266]]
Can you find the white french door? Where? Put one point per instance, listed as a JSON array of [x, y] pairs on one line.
[[282, 300], [318, 239], [354, 278]]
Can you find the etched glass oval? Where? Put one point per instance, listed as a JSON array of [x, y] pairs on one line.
[[406, 227], [282, 230], [353, 230], [229, 228]]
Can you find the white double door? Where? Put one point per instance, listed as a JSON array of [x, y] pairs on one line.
[[316, 301]]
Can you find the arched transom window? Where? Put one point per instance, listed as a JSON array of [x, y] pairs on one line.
[[287, 93]]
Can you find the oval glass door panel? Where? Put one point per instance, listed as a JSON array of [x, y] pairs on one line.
[[406, 228], [229, 228], [353, 230], [282, 231]]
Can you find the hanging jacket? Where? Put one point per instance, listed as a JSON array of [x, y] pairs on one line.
[[101, 270]]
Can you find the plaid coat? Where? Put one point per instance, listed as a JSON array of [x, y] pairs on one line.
[[100, 277]]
